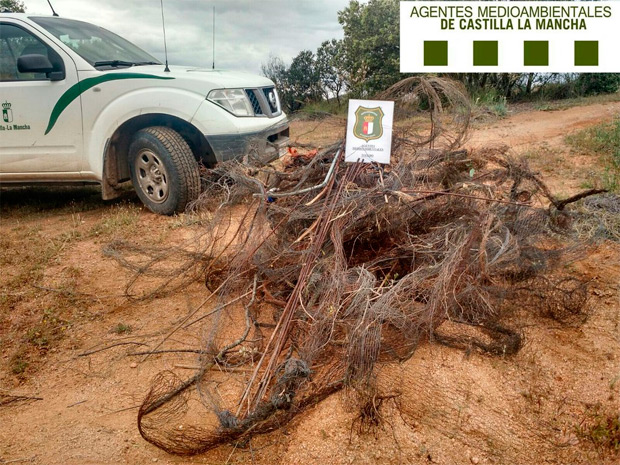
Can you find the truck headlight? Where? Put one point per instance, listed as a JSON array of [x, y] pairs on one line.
[[235, 101]]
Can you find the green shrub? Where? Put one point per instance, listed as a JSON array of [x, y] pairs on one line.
[[491, 100], [122, 328], [598, 83]]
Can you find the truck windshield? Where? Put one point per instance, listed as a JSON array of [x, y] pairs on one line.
[[98, 46]]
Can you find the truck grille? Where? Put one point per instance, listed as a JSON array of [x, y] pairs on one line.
[[264, 101], [254, 101]]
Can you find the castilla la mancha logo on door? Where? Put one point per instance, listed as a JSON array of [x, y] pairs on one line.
[[368, 123], [7, 113]]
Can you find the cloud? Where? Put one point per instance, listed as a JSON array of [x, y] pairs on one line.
[[247, 31]]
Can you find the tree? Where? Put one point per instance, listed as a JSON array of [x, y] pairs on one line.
[[16, 6], [303, 79], [371, 45], [330, 63], [276, 70], [297, 84]]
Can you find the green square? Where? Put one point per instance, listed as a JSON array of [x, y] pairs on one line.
[[586, 53], [485, 53], [435, 53], [536, 53]]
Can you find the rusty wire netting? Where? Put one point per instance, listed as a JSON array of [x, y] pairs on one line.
[[320, 270]]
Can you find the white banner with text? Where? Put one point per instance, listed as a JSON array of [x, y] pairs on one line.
[[510, 36]]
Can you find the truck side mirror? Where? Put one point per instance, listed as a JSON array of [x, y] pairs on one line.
[[36, 63]]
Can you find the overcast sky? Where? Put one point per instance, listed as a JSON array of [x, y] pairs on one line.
[[247, 31]]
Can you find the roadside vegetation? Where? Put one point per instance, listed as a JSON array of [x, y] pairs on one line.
[[602, 140]]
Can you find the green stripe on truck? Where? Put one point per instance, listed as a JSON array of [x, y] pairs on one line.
[[76, 90]]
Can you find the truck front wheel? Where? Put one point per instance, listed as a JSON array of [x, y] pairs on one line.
[[163, 170]]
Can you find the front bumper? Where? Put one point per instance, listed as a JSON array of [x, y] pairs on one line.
[[264, 146]]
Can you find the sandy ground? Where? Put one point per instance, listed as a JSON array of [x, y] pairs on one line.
[[530, 129], [451, 408]]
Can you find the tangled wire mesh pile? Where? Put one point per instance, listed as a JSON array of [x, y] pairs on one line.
[[321, 270], [598, 217]]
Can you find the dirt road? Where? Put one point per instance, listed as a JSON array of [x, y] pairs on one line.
[[526, 131], [62, 296]]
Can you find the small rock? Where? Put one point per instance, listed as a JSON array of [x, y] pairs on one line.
[[133, 365], [475, 460]]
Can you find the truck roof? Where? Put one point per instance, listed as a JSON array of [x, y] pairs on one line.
[[25, 15]]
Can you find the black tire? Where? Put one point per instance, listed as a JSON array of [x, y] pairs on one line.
[[163, 170]]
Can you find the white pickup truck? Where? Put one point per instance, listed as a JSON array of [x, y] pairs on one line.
[[81, 104]]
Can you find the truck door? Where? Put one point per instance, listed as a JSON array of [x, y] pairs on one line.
[[29, 148]]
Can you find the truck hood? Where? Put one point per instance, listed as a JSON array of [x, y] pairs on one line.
[[199, 79]]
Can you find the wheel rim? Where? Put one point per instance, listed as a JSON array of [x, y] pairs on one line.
[[152, 176]]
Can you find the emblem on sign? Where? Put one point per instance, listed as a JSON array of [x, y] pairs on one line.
[[7, 113], [368, 123]]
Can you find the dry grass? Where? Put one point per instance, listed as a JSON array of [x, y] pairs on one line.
[[601, 428], [41, 300], [603, 141], [597, 218]]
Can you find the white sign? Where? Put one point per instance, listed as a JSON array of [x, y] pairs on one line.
[[514, 37], [369, 131]]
